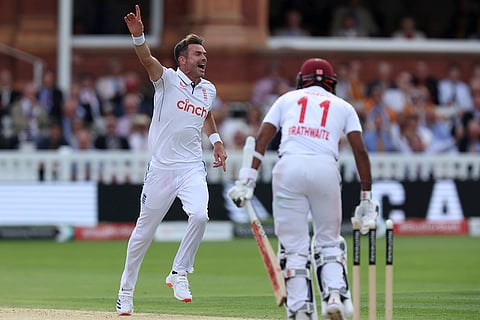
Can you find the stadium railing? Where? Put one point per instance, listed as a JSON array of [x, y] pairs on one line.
[[129, 167]]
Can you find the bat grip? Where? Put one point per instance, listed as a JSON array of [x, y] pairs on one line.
[[251, 212]]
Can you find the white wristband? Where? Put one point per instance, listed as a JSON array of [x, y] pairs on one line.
[[138, 41], [214, 138], [258, 155], [365, 195]]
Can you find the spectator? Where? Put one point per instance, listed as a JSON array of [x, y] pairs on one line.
[[378, 137], [279, 88], [50, 96], [475, 72], [349, 28], [419, 101], [349, 85], [293, 26], [375, 105], [54, 139], [423, 78], [475, 111], [364, 21], [441, 138], [138, 137], [131, 107], [69, 114], [470, 142], [407, 29], [82, 170], [464, 19], [231, 127], [111, 87], [411, 138], [453, 91], [253, 118], [243, 127], [84, 139], [8, 94], [415, 142], [7, 142], [77, 126], [384, 78], [460, 123], [144, 92], [111, 140], [399, 98], [91, 108], [264, 87], [29, 119]]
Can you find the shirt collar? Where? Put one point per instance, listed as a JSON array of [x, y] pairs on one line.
[[186, 80]]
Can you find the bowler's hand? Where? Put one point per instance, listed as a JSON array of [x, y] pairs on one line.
[[219, 156], [134, 22]]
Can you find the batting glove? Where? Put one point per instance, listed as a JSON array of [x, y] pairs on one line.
[[366, 212], [244, 186]]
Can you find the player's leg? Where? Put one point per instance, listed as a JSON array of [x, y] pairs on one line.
[[193, 193], [330, 264], [290, 212], [156, 198], [328, 246]]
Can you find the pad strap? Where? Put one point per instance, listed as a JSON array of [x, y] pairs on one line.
[[321, 258], [291, 273]]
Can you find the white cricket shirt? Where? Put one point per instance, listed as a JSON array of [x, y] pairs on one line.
[[312, 121], [179, 112]]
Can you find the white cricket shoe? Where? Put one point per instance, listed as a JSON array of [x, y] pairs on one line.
[[335, 308], [125, 303], [179, 284]]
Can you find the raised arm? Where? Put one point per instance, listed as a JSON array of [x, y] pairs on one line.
[[135, 25]]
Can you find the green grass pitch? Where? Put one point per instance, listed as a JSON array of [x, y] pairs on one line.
[[434, 278]]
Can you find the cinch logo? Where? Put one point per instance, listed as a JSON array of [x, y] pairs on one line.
[[186, 106]]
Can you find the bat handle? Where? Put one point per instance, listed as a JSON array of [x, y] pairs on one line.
[[251, 212]]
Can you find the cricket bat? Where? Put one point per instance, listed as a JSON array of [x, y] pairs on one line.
[[269, 257]]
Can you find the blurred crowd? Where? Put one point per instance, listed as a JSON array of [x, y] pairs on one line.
[[405, 111], [401, 110], [400, 19], [108, 112]]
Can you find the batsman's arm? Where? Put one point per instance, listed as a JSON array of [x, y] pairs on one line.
[[362, 160], [135, 25], [264, 137]]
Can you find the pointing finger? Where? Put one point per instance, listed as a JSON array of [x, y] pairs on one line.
[[137, 9]]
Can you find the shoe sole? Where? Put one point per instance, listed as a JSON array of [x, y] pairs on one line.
[[170, 285], [335, 315], [124, 313]]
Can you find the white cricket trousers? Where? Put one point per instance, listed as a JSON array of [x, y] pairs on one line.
[[304, 185], [161, 187]]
